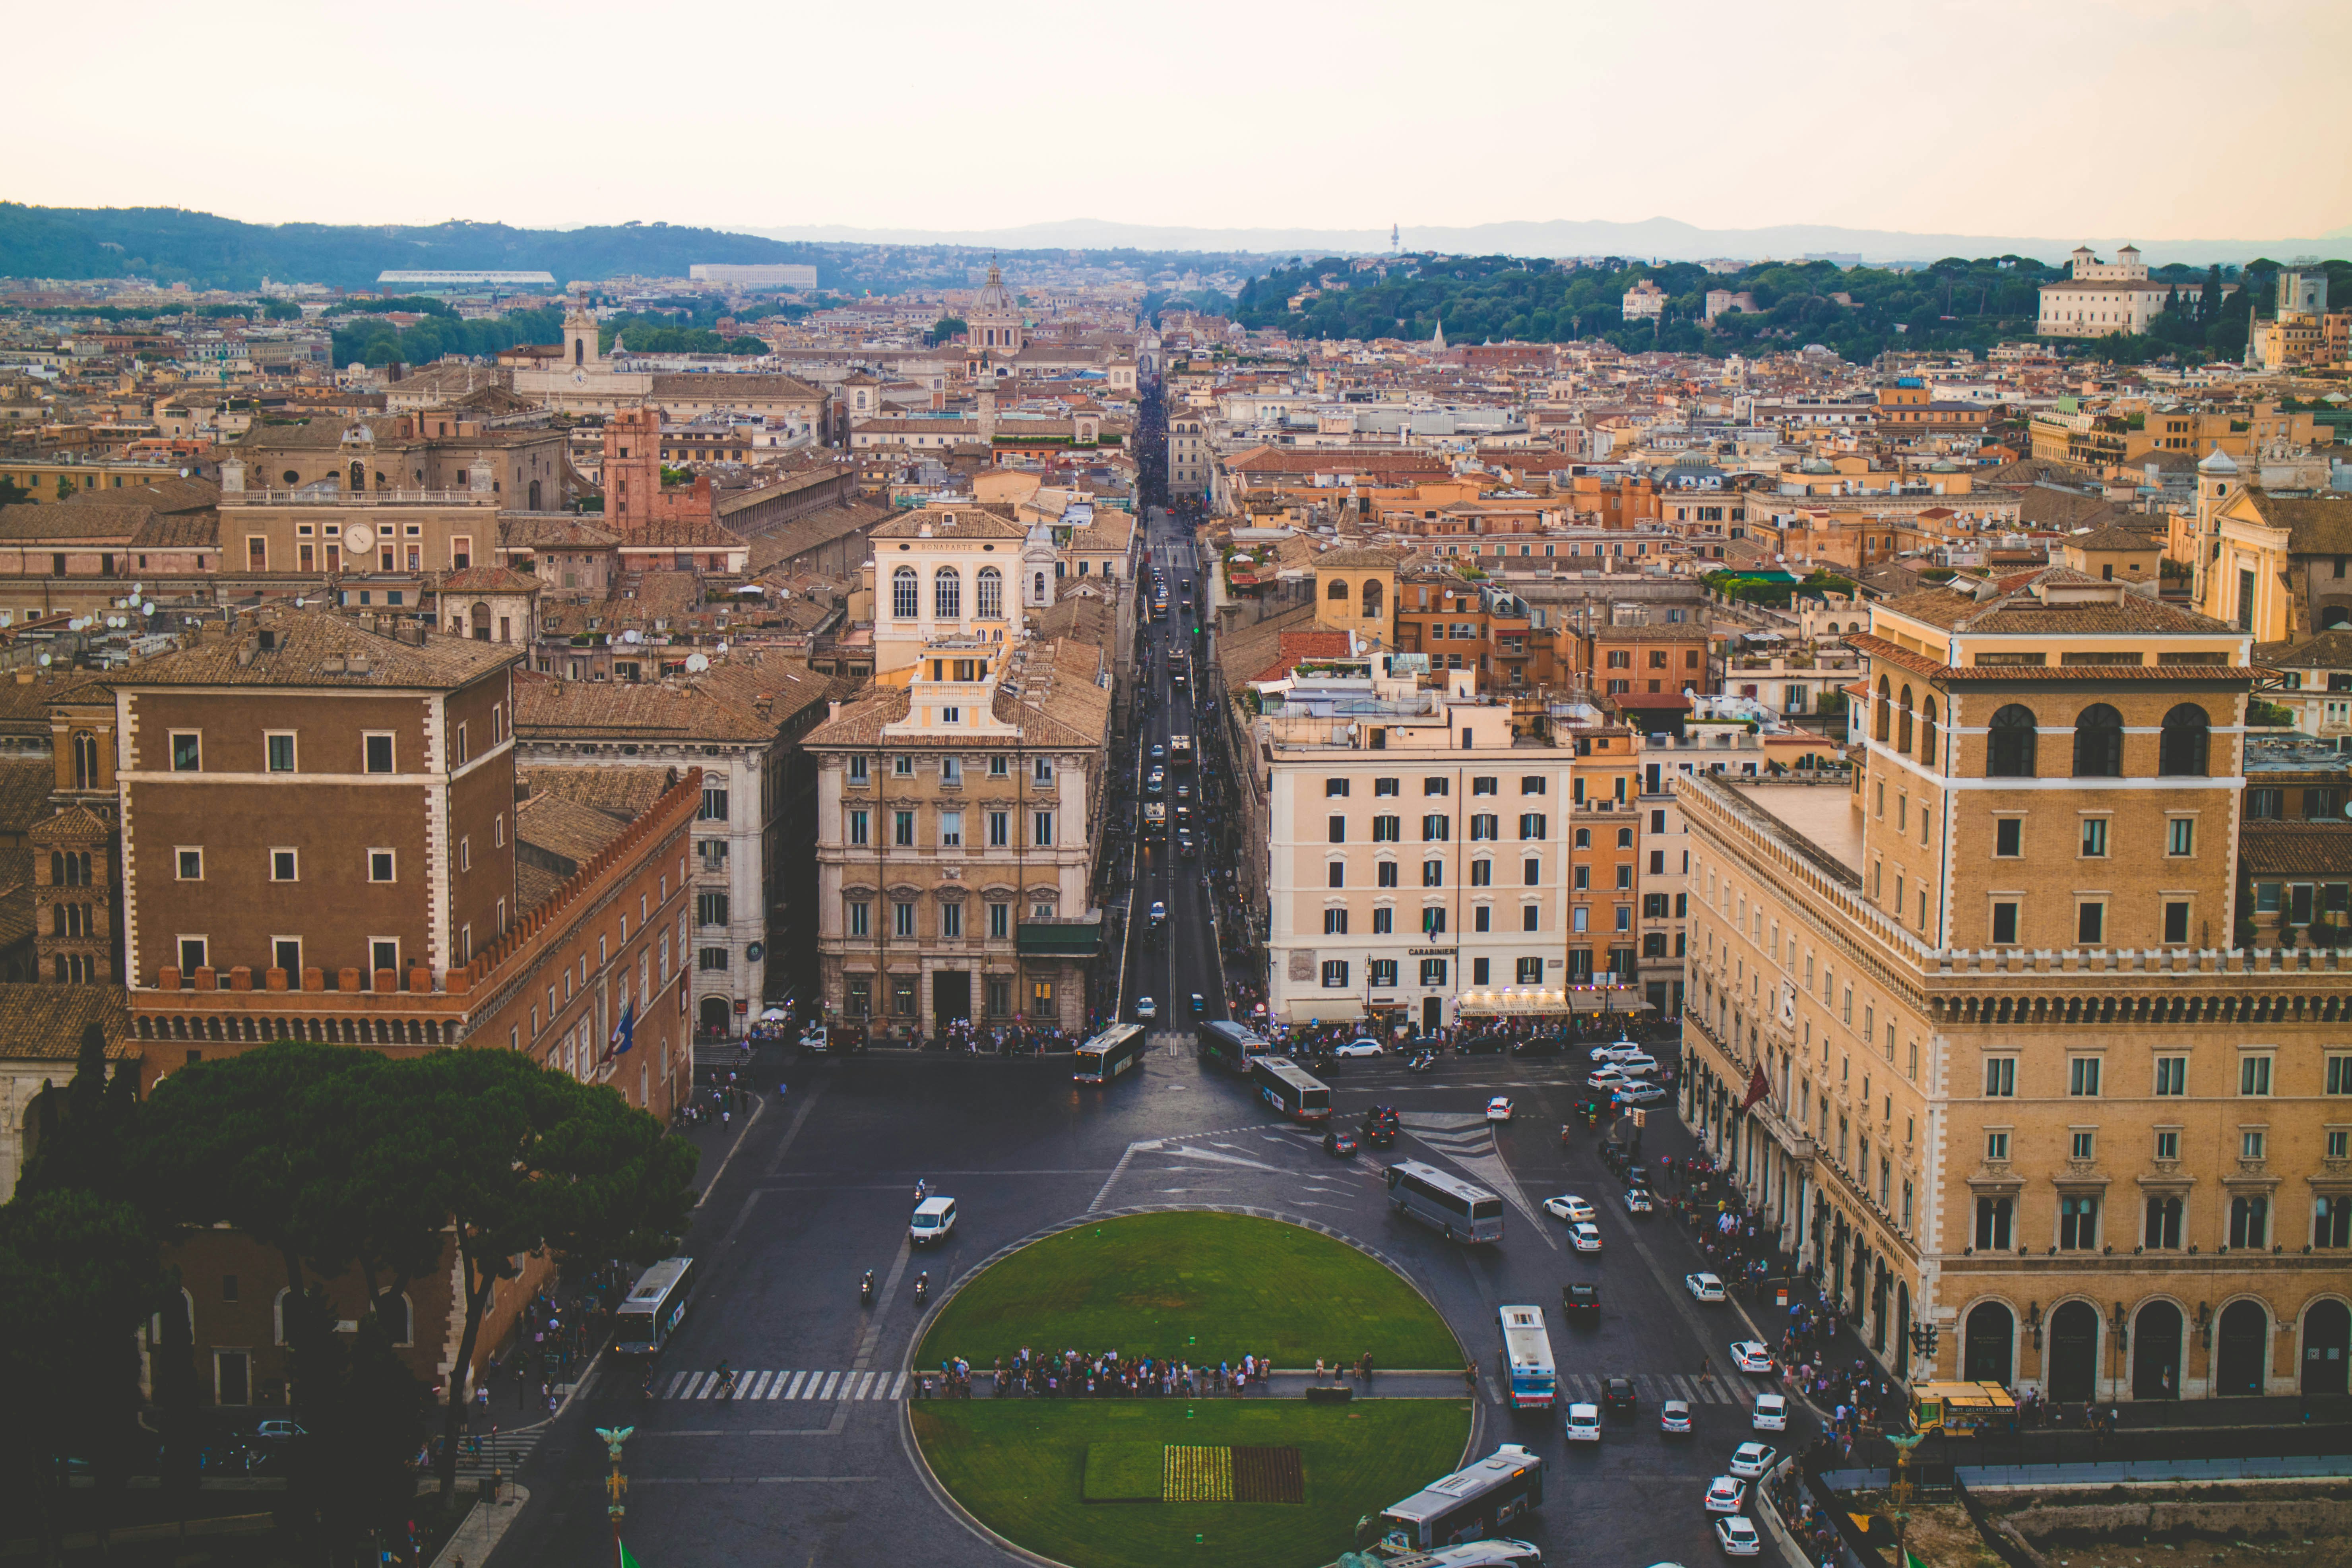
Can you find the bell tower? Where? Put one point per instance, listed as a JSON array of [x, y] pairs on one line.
[[580, 337]]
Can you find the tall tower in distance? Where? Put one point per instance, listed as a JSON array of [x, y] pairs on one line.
[[1396, 240]]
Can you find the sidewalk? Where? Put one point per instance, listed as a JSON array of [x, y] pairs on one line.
[[483, 1530]]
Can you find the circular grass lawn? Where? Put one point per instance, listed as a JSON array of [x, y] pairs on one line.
[[1194, 1287], [1073, 1479]]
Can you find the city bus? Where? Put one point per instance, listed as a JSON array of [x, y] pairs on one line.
[[1961, 1409], [1464, 1212], [1107, 1055], [654, 1307], [1230, 1045], [1290, 1088], [1180, 751], [1470, 1504], [1155, 821], [1526, 1358]]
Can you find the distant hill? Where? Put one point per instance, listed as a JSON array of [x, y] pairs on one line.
[[1666, 239], [173, 246]]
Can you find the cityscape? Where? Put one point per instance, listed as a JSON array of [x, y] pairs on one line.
[[838, 862]]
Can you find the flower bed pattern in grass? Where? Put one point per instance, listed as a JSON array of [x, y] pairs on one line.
[[1197, 1475], [1021, 1467], [1268, 1475], [1124, 1472], [1193, 1286]]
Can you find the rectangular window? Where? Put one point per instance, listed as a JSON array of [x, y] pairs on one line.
[[282, 866], [1387, 786], [2265, 805], [2176, 921], [1436, 829], [1338, 829], [902, 767], [2253, 1075], [2180, 836], [2095, 838], [1041, 829], [189, 864], [1335, 975], [709, 959], [1383, 922], [2083, 1077], [999, 922], [1433, 920], [1335, 788], [2000, 1078], [280, 745], [1387, 875], [1384, 973], [1531, 918], [1482, 873], [2090, 923], [710, 908], [1335, 923], [1337, 875], [902, 918], [861, 918], [950, 768], [2171, 1076], [951, 830], [188, 752], [861, 827], [2251, 1142], [902, 829], [1433, 972], [1432, 873], [2004, 924], [858, 773], [1533, 784], [2080, 1144], [1997, 1146], [951, 920], [1532, 824], [1000, 829], [2008, 837], [1436, 785], [1482, 917], [381, 864], [377, 749], [1483, 783], [714, 805], [2078, 1224]]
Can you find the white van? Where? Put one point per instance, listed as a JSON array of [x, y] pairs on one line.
[[934, 1217], [1584, 1423], [1771, 1413]]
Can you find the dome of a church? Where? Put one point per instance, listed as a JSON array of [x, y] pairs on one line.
[[2218, 462], [996, 296]]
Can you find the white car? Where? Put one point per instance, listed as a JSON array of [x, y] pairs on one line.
[[1614, 1050], [1750, 1460], [1158, 914], [1638, 1200], [1569, 1207], [1146, 1009], [1725, 1494], [1639, 1093], [1771, 1414], [1585, 1237], [1614, 1077], [1498, 1108], [934, 1218], [1674, 1416], [1736, 1537], [1703, 1287], [1637, 1060], [1358, 1048], [1751, 1355], [1584, 1423]]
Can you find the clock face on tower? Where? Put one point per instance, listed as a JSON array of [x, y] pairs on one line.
[[579, 378]]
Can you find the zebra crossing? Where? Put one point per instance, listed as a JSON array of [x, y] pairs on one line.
[[1654, 1387], [822, 1386], [477, 1456]]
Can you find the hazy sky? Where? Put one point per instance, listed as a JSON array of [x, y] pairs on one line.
[[2148, 118]]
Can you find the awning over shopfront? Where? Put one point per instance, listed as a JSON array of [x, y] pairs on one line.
[[1536, 1001], [1325, 1009]]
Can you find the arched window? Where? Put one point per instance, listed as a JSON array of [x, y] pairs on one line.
[[989, 594], [2008, 745], [905, 594], [359, 478], [1902, 723], [1927, 734], [1039, 589], [1338, 590], [2186, 744], [85, 760], [947, 594], [393, 1310], [1372, 610], [1885, 704], [2099, 743]]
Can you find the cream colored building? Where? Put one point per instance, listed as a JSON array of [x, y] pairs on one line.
[[1417, 852], [2021, 1081], [2099, 299], [959, 801]]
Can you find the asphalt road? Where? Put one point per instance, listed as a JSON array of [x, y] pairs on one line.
[[809, 1469]]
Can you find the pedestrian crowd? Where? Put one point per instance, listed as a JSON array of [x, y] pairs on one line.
[[1076, 1374]]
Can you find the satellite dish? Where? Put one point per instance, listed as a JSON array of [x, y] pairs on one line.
[[297, 602], [44, 661], [722, 648], [137, 589], [695, 663], [359, 536], [629, 636], [148, 608]]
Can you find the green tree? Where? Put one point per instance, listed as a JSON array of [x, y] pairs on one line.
[[947, 329], [64, 487], [12, 493], [528, 1160]]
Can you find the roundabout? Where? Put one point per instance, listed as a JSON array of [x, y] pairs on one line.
[[1141, 1479]]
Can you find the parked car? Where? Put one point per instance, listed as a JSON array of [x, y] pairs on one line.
[[1704, 1287], [1738, 1537]]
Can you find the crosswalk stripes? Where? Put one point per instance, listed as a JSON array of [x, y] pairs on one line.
[[505, 1453], [842, 1386], [1654, 1387]]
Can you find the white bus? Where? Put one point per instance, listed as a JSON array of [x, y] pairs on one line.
[[655, 1306], [1473, 1504], [1464, 1212], [1526, 1358]]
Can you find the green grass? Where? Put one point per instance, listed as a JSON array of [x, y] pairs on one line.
[[1194, 1287], [1124, 1472], [1021, 1467]]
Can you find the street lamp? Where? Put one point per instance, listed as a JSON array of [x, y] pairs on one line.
[[616, 1487], [1924, 1336]]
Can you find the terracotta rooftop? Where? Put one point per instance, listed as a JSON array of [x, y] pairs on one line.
[[318, 648]]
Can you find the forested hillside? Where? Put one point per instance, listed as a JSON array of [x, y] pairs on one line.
[[1859, 311]]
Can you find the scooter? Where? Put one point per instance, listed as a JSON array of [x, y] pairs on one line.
[[866, 1289]]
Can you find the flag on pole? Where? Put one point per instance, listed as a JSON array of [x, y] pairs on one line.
[[1757, 1087], [623, 1034], [627, 1560]]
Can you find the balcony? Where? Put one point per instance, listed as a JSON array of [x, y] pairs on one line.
[[1062, 936]]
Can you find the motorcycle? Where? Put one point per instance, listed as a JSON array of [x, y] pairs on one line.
[[726, 1381], [866, 1289], [922, 1288]]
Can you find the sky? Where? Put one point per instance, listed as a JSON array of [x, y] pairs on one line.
[[2153, 119]]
